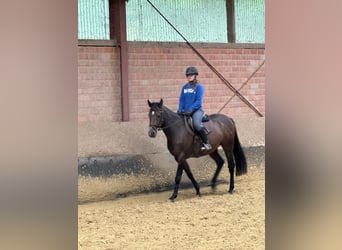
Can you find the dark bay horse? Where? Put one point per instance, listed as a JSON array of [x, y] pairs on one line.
[[183, 143]]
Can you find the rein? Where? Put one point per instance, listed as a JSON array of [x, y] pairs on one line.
[[161, 128]]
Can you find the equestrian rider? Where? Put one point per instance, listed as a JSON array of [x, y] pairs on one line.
[[190, 103]]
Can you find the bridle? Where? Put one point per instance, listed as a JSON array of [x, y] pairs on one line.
[[161, 120], [160, 126]]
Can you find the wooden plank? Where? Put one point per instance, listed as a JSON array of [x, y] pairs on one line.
[[98, 43]]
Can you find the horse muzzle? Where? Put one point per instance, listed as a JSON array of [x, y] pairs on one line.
[[152, 132]]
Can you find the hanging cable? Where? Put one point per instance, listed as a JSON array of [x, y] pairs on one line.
[[242, 86]]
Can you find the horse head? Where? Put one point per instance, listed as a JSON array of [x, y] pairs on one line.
[[156, 117]]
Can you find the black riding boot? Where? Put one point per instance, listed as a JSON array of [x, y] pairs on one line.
[[203, 135]]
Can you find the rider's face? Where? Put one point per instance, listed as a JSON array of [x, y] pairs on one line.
[[190, 78]]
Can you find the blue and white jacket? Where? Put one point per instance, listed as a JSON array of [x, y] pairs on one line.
[[191, 97]]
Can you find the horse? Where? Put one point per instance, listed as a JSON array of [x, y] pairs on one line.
[[183, 143]]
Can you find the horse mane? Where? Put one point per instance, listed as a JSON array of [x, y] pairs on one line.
[[170, 112]]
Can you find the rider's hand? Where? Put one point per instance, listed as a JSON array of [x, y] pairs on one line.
[[187, 113]]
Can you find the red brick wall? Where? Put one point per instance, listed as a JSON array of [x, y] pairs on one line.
[[156, 70], [99, 91]]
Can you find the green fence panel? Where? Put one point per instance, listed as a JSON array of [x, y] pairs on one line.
[[197, 20], [250, 21], [93, 19]]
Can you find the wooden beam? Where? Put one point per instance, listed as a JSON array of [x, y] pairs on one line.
[[98, 43], [230, 7], [117, 21]]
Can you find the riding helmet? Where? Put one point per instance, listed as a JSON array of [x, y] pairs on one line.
[[191, 71]]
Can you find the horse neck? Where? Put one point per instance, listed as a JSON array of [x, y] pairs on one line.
[[171, 120]]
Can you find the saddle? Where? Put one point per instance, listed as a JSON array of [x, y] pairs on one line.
[[190, 126]]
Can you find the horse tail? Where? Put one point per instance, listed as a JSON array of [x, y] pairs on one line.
[[240, 158]]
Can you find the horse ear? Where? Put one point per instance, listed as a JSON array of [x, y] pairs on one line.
[[149, 103], [161, 102]]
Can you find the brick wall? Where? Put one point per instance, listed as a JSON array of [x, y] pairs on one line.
[[156, 70], [99, 91]]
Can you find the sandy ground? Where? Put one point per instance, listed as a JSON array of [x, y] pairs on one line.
[[216, 220]]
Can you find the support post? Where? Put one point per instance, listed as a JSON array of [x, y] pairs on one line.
[[117, 22], [230, 6]]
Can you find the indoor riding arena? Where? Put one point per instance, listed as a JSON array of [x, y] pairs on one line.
[[138, 50]]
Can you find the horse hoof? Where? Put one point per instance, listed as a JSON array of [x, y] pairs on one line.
[[172, 198], [230, 191], [213, 186]]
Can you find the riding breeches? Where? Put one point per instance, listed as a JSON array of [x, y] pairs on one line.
[[197, 119]]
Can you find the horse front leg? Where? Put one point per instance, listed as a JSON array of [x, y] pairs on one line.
[[177, 181], [219, 163]]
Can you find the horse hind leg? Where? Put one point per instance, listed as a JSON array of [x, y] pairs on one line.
[[219, 163], [231, 165], [191, 177]]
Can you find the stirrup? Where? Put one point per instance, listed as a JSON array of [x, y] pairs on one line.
[[206, 146]]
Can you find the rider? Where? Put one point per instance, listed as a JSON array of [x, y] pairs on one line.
[[190, 102]]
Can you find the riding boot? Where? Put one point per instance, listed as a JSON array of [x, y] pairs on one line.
[[203, 135]]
